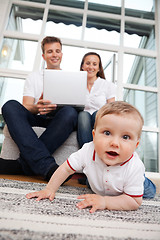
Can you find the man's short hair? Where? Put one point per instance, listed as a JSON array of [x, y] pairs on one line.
[[49, 39]]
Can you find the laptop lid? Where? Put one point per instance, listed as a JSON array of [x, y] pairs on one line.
[[65, 88]]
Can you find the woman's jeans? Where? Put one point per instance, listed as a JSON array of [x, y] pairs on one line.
[[35, 153], [85, 127]]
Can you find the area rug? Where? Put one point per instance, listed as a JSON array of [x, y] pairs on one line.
[[26, 219]]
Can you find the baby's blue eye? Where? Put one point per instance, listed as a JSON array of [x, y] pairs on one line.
[[107, 133], [126, 137]]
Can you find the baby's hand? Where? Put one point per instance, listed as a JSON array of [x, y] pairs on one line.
[[94, 200], [45, 193]]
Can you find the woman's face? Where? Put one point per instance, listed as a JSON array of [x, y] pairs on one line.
[[91, 65]]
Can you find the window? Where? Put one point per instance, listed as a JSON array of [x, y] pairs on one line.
[[18, 54], [64, 24], [18, 15], [140, 70]]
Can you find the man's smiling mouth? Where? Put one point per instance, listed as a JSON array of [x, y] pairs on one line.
[[54, 59]]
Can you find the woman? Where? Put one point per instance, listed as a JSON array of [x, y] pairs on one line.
[[99, 92]]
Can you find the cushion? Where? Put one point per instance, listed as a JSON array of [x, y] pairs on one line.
[[11, 151]]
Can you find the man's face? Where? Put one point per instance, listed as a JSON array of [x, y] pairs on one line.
[[52, 55]]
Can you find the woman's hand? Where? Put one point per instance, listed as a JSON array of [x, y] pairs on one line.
[[92, 200], [43, 194]]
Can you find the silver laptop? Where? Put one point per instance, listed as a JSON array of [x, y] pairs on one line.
[[65, 88]]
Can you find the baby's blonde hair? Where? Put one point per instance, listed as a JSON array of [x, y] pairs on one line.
[[119, 108]]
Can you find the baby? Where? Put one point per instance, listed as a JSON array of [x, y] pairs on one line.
[[114, 170]]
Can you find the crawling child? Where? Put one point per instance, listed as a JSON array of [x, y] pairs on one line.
[[114, 170]]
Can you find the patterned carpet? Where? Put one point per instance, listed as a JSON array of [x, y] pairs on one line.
[[23, 219]]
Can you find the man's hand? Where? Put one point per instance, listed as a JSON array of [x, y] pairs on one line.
[[45, 106], [92, 200], [45, 193], [42, 106]]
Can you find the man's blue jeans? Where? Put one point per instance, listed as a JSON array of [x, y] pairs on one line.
[[85, 127], [35, 153]]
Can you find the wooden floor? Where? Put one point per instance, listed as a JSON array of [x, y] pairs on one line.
[[72, 182]]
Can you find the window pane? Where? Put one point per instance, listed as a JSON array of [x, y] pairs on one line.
[[69, 3], [148, 151], [105, 6], [72, 57], [25, 19], [141, 9], [6, 90], [146, 103], [63, 24], [139, 36], [36, 26], [17, 54], [102, 30], [140, 70]]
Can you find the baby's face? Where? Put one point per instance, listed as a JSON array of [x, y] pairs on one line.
[[116, 138]]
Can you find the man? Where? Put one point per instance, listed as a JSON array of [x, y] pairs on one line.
[[35, 153]]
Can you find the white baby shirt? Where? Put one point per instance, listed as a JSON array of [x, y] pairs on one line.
[[106, 180]]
